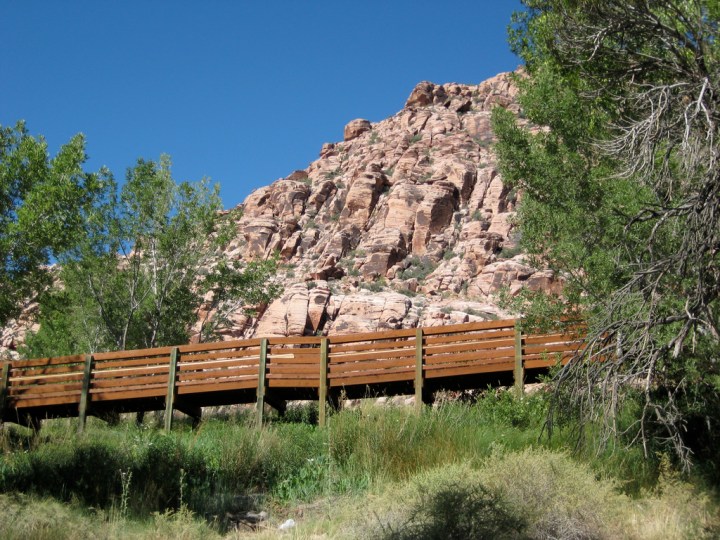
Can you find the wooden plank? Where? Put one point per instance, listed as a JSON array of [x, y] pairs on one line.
[[289, 368], [380, 355], [50, 379], [153, 391], [551, 338], [409, 360], [468, 327], [295, 340], [199, 358], [480, 355], [72, 395], [294, 351], [217, 374], [216, 364], [216, 345], [449, 365], [122, 364], [323, 383], [470, 336], [46, 371], [130, 372], [290, 376], [370, 336], [306, 360], [561, 347], [293, 383], [132, 387], [252, 378], [84, 394], [44, 401], [408, 375], [367, 372], [36, 390], [128, 381], [53, 361], [371, 346], [262, 372], [133, 354], [240, 384], [470, 370], [471, 346]]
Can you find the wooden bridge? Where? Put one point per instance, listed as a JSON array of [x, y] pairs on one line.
[[273, 370]]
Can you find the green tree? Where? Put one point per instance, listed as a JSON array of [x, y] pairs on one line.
[[43, 207], [622, 197], [149, 267]]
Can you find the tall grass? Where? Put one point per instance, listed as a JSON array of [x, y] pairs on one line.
[[227, 466]]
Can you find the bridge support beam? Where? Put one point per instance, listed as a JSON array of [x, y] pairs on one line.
[[192, 411], [172, 388], [419, 375], [4, 389], [85, 393], [262, 383], [323, 386], [280, 405], [519, 371]]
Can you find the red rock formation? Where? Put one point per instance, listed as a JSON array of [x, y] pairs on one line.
[[413, 203]]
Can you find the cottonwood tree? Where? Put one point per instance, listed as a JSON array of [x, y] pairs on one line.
[[152, 258], [622, 196], [43, 207]]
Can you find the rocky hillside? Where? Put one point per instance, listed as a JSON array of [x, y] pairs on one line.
[[405, 222]]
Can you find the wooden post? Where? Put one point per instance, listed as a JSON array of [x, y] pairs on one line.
[[262, 370], [418, 370], [323, 386], [519, 372], [4, 383], [85, 393], [172, 388]]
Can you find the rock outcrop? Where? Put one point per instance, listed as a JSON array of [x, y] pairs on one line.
[[404, 222]]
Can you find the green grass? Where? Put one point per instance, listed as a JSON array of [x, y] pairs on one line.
[[193, 480]]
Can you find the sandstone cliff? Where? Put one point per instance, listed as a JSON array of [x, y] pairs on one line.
[[405, 222]]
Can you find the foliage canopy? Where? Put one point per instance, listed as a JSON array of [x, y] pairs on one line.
[[147, 269], [44, 203], [622, 196]]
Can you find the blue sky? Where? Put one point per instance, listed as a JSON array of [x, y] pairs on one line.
[[241, 92]]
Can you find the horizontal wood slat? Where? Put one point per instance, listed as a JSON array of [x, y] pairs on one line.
[[474, 336], [373, 346], [371, 336], [468, 327], [370, 356], [54, 361]]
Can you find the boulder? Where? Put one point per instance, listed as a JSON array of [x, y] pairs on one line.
[[355, 128]]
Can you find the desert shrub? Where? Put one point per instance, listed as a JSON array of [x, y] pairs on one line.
[[419, 267], [559, 497], [458, 512]]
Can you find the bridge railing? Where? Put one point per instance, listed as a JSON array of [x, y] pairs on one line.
[[253, 369]]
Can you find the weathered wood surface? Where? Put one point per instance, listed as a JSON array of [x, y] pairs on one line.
[[273, 369]]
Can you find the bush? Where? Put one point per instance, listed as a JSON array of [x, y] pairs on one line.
[[419, 267], [458, 512], [559, 497]]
